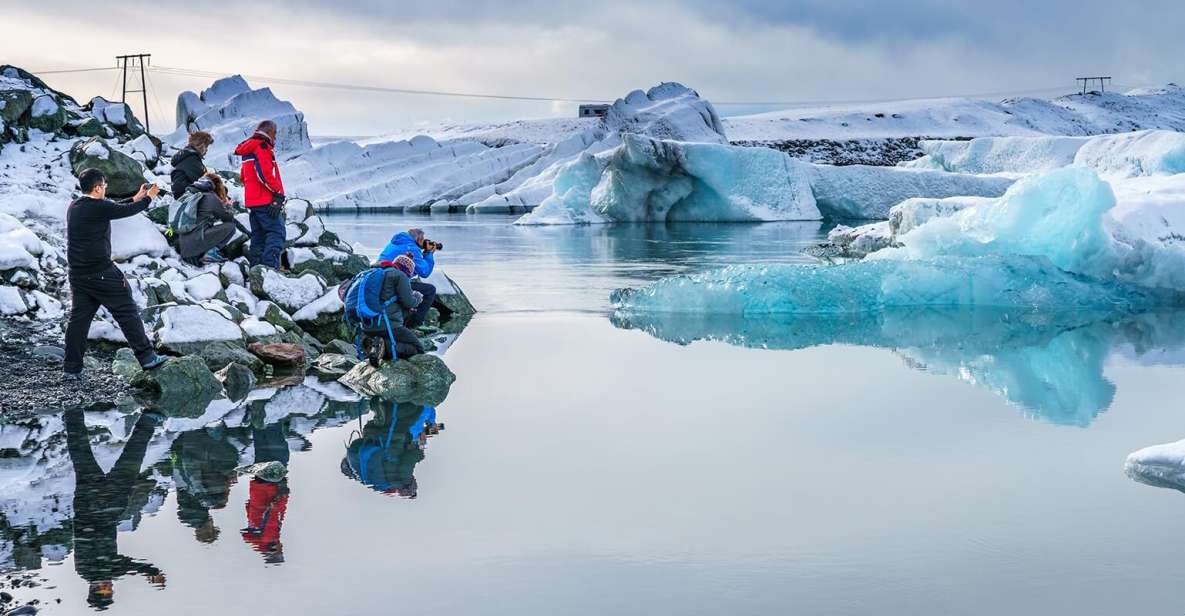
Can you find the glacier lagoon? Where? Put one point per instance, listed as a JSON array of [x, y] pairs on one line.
[[923, 460]]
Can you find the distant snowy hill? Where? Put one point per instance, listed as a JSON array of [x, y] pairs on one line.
[[1075, 114]]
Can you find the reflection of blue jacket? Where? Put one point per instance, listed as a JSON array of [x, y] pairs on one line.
[[403, 243]]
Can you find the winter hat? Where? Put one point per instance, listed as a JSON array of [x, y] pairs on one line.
[[406, 265]]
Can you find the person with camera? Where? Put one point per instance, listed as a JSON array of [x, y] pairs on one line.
[[263, 195], [422, 251], [94, 280]]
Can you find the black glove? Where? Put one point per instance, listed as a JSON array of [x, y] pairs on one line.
[[278, 199]]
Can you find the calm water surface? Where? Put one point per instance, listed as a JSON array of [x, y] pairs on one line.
[[913, 463]]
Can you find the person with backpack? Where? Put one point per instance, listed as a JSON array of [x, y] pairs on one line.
[[263, 194], [203, 221], [377, 303], [422, 251], [187, 163], [95, 282]]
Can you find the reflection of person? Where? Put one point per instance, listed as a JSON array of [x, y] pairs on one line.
[[203, 472], [267, 502], [100, 500], [385, 455]]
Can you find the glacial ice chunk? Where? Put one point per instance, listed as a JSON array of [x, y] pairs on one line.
[[1029, 283], [868, 192], [1148, 152], [1000, 154], [1161, 466], [651, 180]]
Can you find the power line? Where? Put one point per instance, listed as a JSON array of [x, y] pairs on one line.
[[74, 70]]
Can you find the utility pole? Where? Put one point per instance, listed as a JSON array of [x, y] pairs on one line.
[[132, 61], [1086, 80]]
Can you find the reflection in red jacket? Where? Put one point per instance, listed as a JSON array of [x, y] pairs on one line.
[[260, 173], [265, 515]]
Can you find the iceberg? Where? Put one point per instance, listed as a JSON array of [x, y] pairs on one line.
[[1160, 466], [650, 180], [230, 110], [1050, 365]]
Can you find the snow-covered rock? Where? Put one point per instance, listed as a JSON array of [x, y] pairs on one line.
[[190, 324], [291, 294]]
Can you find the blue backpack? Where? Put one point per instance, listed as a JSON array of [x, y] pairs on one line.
[[363, 307]]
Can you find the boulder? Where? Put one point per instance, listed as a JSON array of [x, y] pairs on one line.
[[289, 293], [238, 380], [341, 347], [47, 114], [423, 379], [90, 127], [125, 364], [186, 386], [271, 313], [333, 366], [124, 174], [14, 104], [221, 354], [451, 296], [283, 354]]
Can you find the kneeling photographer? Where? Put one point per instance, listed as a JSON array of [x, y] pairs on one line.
[[422, 250]]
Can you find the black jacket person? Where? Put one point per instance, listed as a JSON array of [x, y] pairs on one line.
[[100, 501], [94, 280], [187, 163]]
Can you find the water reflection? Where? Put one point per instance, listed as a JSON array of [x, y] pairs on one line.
[[1051, 366], [383, 455], [56, 499], [101, 502]]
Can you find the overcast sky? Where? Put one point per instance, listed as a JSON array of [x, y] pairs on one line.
[[740, 50]]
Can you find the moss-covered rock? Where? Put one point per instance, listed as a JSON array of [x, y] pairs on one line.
[[423, 379], [124, 174]]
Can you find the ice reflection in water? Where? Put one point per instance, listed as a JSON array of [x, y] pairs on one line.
[[1048, 365]]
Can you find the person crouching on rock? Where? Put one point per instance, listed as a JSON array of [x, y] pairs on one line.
[[187, 163], [215, 222], [94, 280], [376, 303], [423, 253], [263, 194]]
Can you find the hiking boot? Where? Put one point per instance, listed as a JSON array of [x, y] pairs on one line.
[[155, 361], [375, 349], [73, 378], [213, 256]]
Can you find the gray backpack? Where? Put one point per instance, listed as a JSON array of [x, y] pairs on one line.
[[185, 218]]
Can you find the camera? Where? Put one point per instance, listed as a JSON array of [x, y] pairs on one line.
[[430, 245]]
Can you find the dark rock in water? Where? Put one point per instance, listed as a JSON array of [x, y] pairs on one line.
[[457, 304], [219, 355], [282, 354], [423, 379], [49, 353], [341, 347], [237, 380], [332, 366], [124, 174], [186, 386]]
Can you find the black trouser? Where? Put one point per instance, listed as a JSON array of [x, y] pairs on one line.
[[108, 289], [420, 314], [407, 343]]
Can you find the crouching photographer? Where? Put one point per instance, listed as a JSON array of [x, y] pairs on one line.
[[422, 251]]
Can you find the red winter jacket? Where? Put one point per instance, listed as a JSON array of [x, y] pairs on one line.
[[266, 506], [260, 173]]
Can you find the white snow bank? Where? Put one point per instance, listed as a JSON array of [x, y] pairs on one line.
[[1157, 152], [19, 247], [999, 154], [292, 294], [137, 235], [326, 304]]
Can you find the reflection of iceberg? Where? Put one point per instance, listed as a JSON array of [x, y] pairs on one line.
[[1050, 365]]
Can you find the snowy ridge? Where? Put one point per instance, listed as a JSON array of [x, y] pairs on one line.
[[1074, 114]]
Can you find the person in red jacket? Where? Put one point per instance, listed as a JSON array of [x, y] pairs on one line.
[[263, 195]]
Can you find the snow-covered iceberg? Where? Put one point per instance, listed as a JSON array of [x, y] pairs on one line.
[[1161, 466], [230, 110]]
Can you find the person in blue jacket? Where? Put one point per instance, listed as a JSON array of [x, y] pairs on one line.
[[423, 251]]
